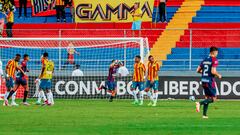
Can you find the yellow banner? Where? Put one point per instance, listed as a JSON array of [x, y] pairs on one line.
[[110, 10]]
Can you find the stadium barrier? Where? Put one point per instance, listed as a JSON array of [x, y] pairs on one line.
[[186, 56], [169, 88], [175, 87]]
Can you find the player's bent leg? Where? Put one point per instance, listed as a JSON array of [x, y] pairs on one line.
[[12, 94], [210, 93]]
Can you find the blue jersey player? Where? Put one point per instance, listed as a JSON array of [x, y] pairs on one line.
[[208, 70]]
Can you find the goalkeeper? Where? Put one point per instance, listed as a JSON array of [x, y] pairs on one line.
[[111, 83]]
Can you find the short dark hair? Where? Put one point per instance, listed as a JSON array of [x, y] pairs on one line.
[[45, 54], [213, 48], [138, 56], [150, 56], [77, 66], [25, 55], [113, 60], [138, 3], [18, 55]]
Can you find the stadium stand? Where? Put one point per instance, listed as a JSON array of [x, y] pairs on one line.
[[217, 23], [171, 46], [46, 27]]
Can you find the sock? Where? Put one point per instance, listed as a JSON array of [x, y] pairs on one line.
[[205, 104], [155, 97], [205, 108], [39, 97], [149, 93], [206, 101], [135, 95], [141, 96], [10, 94], [51, 97], [43, 96], [25, 96], [48, 97], [14, 97], [6, 95]]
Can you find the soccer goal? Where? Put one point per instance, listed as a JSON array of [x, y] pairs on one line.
[[91, 55]]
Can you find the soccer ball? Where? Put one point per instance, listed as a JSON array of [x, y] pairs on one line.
[[192, 98]]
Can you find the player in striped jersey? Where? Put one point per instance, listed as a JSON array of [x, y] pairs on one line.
[[138, 80], [152, 82], [11, 67], [22, 80]]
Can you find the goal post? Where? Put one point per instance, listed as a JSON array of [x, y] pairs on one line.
[[94, 56]]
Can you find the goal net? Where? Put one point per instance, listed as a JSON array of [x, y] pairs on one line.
[[93, 55]]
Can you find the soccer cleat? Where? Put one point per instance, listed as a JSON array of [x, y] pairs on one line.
[[154, 104], [26, 103], [14, 104], [45, 103], [49, 104], [140, 103], [205, 117], [197, 107], [111, 99], [5, 103], [135, 102], [150, 104], [38, 103]]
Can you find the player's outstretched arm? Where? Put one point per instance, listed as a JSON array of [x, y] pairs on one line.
[[199, 70], [214, 72]]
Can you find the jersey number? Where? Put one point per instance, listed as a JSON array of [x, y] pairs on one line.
[[205, 70]]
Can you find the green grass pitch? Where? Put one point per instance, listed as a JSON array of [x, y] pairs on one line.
[[99, 117]]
